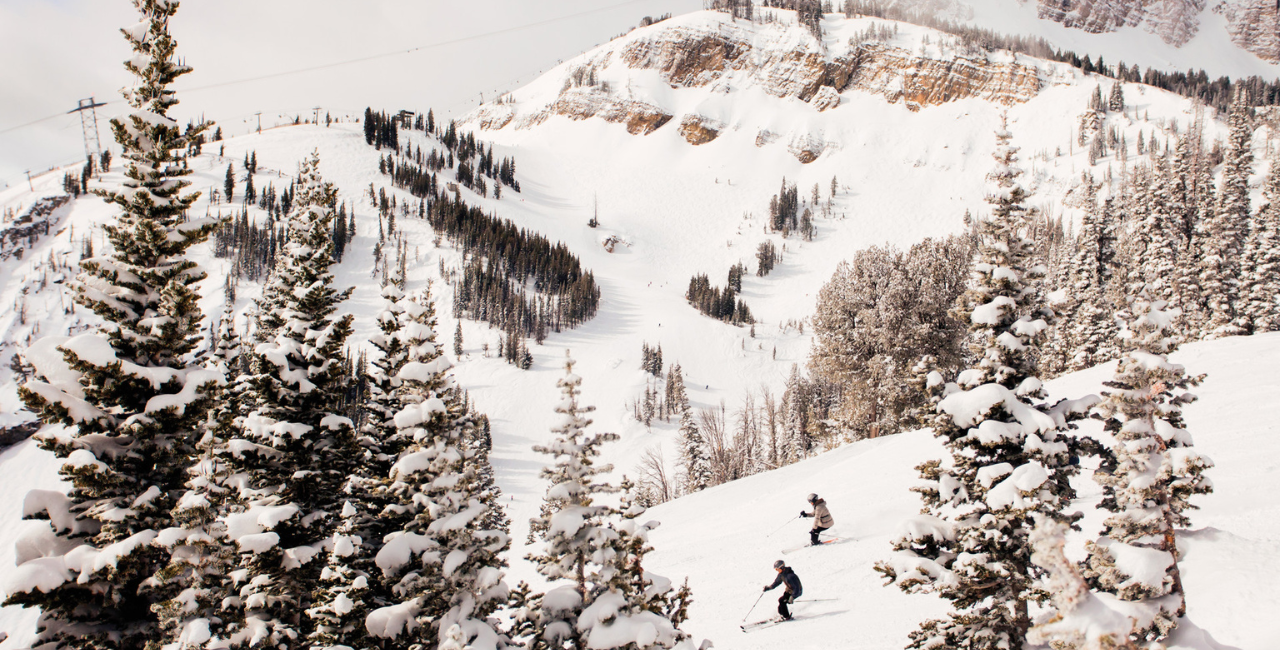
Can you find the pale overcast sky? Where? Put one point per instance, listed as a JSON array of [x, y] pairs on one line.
[[55, 52]]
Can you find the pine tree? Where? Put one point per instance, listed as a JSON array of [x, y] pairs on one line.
[[438, 565], [572, 524], [1079, 618], [795, 417], [1156, 237], [196, 580], [631, 607], [457, 340], [229, 183], [294, 449], [1188, 221], [1260, 289], [349, 589], [592, 553], [1153, 473], [1086, 327], [1010, 454], [250, 194], [1115, 101], [134, 384], [695, 466], [1223, 248]]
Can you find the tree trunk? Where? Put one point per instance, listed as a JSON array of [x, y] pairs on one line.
[[1171, 545]]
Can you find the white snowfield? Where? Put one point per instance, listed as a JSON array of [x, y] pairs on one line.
[[681, 210]]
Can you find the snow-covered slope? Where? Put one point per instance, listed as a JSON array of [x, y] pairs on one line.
[[1237, 38], [905, 169], [721, 538]]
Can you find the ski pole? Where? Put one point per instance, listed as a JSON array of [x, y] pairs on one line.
[[753, 607], [782, 526]]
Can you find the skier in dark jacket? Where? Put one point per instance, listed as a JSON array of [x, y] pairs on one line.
[[791, 582], [822, 519]]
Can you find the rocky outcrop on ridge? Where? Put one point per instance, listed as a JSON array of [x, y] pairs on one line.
[[636, 80], [1253, 25]]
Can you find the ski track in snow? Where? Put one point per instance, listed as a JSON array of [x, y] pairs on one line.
[[681, 208]]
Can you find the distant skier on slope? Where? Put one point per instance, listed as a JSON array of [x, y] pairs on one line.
[[791, 582], [822, 519]]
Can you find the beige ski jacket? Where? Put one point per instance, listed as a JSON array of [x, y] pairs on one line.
[[822, 516]]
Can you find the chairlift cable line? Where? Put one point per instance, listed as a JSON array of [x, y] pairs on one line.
[[372, 57]]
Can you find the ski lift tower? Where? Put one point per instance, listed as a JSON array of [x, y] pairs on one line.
[[87, 109]]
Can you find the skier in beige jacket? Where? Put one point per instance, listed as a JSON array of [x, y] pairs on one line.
[[822, 519]]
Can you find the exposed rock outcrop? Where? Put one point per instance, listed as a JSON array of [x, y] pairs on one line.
[[807, 148], [825, 98], [685, 59], [917, 81], [492, 117], [20, 235], [640, 118], [700, 130], [766, 136], [1174, 21], [1253, 25], [616, 82]]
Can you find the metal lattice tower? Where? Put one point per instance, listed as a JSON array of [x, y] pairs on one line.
[[87, 108]]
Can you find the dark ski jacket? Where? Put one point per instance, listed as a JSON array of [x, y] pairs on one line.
[[788, 578]]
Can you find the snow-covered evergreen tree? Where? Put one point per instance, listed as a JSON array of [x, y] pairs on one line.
[[1260, 287], [593, 552], [1086, 329], [1189, 222], [695, 469], [630, 607], [294, 450], [441, 567], [1157, 235], [795, 417], [1156, 471], [195, 582], [350, 579], [131, 395], [1224, 245], [1010, 453], [1206, 198], [1080, 620], [573, 523], [695, 473]]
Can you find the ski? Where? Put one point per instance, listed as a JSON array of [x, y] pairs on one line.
[[760, 625], [801, 548]]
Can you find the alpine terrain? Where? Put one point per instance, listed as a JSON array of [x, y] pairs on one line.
[[776, 324]]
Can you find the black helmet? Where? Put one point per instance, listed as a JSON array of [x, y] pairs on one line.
[[779, 564], [813, 498]]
